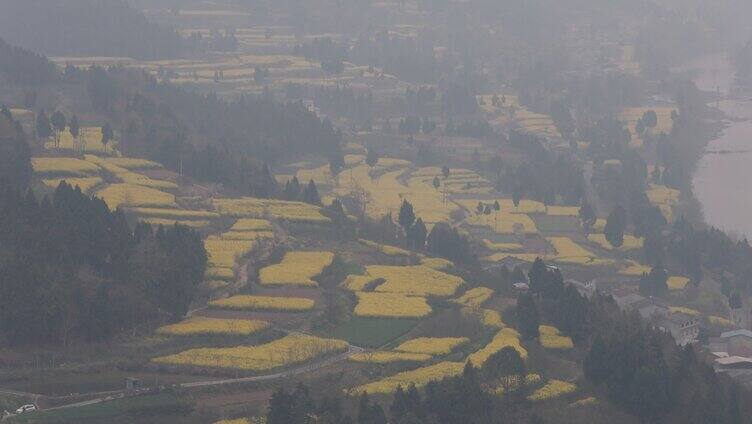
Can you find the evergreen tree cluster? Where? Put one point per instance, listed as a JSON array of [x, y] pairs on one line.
[[203, 136], [308, 194], [70, 269], [20, 66], [15, 154]]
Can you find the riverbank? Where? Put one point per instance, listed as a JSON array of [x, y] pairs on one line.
[[721, 168]]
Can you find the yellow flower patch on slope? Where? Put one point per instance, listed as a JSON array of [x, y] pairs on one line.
[[85, 183], [250, 207], [475, 297], [391, 305], [553, 389], [432, 345], [416, 280], [116, 195], [420, 377], [63, 166], [296, 268], [630, 242], [289, 350], [389, 357], [505, 337], [213, 326], [264, 303]]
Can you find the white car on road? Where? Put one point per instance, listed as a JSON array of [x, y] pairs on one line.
[[26, 408]]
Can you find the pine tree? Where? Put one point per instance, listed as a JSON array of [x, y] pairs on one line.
[[372, 158], [58, 125], [107, 134], [406, 215], [311, 194], [417, 234], [517, 195], [44, 130], [615, 224], [527, 316], [292, 189], [587, 215], [74, 127]]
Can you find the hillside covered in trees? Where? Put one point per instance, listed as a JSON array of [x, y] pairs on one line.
[[371, 212], [72, 270]]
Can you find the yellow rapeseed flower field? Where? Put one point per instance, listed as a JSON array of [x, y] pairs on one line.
[[504, 223], [562, 211], [247, 235], [553, 389], [168, 222], [716, 320], [432, 345], [385, 249], [630, 242], [505, 337], [213, 326], [420, 377], [223, 253], [512, 382], [662, 195], [59, 166], [214, 284], [526, 257], [567, 251], [220, 273], [85, 183], [588, 401], [252, 224], [416, 280], [439, 264], [634, 269], [357, 282], [125, 175], [491, 318], [387, 190], [90, 137], [250, 207], [289, 350], [265, 303], [631, 115], [684, 310], [475, 297], [391, 305], [502, 247], [296, 268], [460, 181], [132, 163], [143, 180], [181, 214], [389, 357], [665, 198], [677, 282], [321, 176], [550, 338], [507, 206], [116, 195]]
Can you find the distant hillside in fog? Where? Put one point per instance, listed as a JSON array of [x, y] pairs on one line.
[[84, 28]]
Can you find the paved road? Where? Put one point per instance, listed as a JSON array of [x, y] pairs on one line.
[[198, 384], [295, 371]]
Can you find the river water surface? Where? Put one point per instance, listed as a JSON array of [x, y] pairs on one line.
[[723, 180]]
